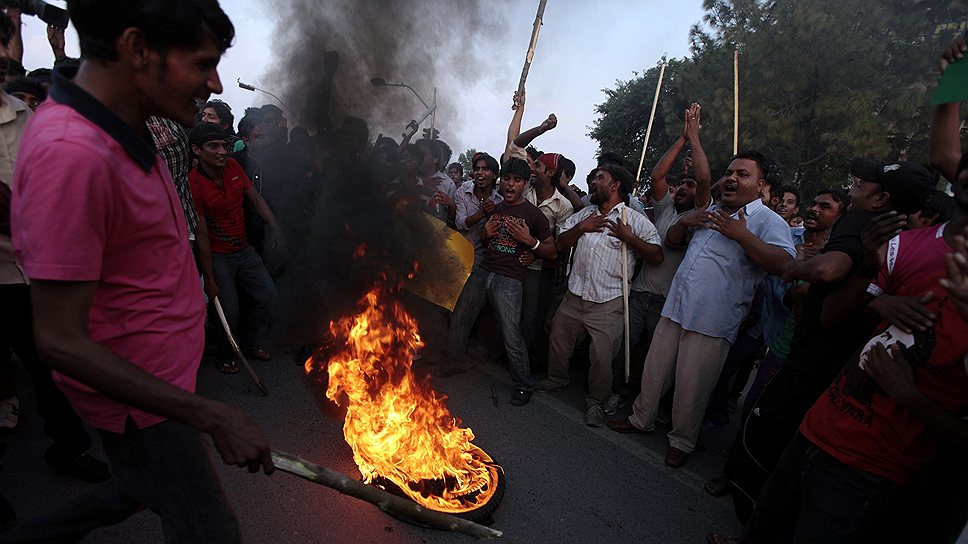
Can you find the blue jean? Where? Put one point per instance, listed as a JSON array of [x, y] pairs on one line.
[[245, 270], [505, 295], [165, 468]]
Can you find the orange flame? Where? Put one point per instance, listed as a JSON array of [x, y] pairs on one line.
[[400, 429]]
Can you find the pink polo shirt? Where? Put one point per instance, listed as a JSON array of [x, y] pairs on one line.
[[94, 202]]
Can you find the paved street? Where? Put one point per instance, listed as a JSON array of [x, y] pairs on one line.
[[566, 482]]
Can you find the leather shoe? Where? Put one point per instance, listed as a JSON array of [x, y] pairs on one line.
[[624, 426], [85, 468], [675, 457], [521, 397]]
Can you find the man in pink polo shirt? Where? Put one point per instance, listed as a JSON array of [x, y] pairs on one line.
[[117, 303]]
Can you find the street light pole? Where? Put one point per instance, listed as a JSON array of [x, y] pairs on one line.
[[380, 82], [248, 87]]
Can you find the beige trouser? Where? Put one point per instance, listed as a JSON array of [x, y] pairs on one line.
[[575, 319], [696, 361]]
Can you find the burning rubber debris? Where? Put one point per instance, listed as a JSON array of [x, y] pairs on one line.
[[399, 428]]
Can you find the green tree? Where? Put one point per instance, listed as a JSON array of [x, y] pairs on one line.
[[821, 81], [465, 160]]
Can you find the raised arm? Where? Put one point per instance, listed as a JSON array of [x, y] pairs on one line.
[[699, 161], [515, 127], [944, 142], [528, 136]]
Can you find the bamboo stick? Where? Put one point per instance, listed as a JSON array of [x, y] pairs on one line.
[[538, 21], [235, 346], [625, 301], [735, 101], [383, 500], [648, 130]]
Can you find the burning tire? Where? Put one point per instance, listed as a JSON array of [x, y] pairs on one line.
[[479, 506]]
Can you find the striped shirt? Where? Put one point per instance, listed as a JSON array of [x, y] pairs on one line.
[[596, 271]]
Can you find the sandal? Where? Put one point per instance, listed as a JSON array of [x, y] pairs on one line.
[[716, 538], [718, 487], [228, 366], [260, 354]]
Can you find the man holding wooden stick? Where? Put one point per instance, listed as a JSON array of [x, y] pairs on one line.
[[118, 309], [733, 246], [593, 304]]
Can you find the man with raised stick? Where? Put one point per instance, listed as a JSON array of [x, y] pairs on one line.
[[118, 308], [733, 246], [593, 305]]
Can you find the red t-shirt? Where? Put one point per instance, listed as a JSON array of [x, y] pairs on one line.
[[854, 420], [222, 206], [93, 202]]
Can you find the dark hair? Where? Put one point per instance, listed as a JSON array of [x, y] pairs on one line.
[[622, 175], [489, 161], [29, 85], [532, 152], [940, 206], [773, 185], [248, 123], [788, 189], [224, 113], [458, 166], [7, 29], [412, 149], [567, 166], [760, 160], [610, 157], [271, 111], [591, 175], [165, 23], [839, 196], [443, 152]]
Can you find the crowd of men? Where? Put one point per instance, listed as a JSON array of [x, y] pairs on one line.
[[843, 314]]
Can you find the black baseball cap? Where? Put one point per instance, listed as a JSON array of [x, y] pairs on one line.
[[516, 167], [205, 132], [909, 183]]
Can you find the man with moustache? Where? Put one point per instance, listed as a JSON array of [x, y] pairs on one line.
[[593, 305], [734, 245], [475, 201], [515, 226], [651, 286]]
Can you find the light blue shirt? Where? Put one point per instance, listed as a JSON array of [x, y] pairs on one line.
[[775, 312], [713, 288]]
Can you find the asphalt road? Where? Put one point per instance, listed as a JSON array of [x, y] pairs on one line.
[[565, 482]]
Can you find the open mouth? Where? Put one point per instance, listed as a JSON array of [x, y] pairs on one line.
[[729, 188]]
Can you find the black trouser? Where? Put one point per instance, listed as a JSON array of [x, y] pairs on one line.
[[61, 423]]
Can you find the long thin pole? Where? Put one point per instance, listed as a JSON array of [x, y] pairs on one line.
[[538, 21], [383, 500], [235, 346], [735, 101], [648, 130], [625, 301], [433, 116]]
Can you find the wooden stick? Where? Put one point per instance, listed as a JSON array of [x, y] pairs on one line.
[[735, 101], [538, 21], [383, 500], [625, 301], [245, 362], [648, 130]]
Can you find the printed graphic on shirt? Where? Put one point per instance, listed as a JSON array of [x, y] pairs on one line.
[[503, 242]]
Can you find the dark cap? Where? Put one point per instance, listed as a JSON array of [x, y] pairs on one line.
[[205, 132], [516, 167], [909, 183]]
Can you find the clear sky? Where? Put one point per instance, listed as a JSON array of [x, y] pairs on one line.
[[583, 47]]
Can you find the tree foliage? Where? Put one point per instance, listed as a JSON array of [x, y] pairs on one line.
[[465, 160], [821, 81]]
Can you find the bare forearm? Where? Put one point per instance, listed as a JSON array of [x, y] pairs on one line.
[[824, 268], [572, 197], [650, 253], [703, 174], [676, 236], [524, 139], [514, 129], [203, 248], [547, 250], [662, 168], [944, 144], [567, 239]]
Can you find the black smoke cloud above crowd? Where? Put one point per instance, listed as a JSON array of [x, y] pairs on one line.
[[431, 43]]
